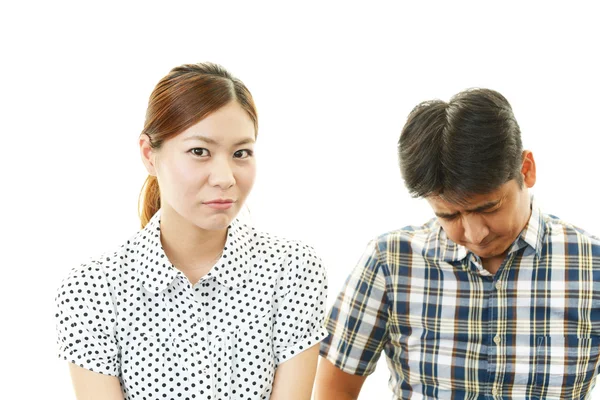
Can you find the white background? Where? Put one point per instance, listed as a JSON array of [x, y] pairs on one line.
[[333, 83]]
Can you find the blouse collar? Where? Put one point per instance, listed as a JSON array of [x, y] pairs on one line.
[[156, 272]]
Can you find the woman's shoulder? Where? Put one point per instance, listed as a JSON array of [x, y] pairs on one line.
[[108, 268], [284, 261], [293, 251]]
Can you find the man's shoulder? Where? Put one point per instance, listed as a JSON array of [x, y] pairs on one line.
[[560, 229], [576, 241], [409, 236]]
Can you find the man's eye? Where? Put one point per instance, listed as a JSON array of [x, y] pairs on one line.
[[200, 152], [245, 153], [450, 217], [491, 211]]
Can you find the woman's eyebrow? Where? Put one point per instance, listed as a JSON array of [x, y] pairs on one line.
[[202, 138], [212, 141], [244, 141]]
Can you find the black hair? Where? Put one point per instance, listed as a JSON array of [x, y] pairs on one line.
[[469, 145]]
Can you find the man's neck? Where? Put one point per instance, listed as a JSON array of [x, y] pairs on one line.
[[493, 264]]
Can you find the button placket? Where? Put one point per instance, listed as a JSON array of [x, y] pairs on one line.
[[201, 328], [225, 339]]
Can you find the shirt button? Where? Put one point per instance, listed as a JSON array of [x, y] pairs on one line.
[[495, 392], [497, 340], [200, 319], [498, 285]]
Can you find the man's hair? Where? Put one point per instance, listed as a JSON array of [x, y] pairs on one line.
[[470, 145]]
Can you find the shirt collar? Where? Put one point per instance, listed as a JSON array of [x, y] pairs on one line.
[[232, 268], [449, 251], [156, 272], [532, 235]]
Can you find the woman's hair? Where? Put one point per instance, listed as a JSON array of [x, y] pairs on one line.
[[470, 145], [185, 96]]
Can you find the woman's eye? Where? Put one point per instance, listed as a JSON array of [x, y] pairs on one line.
[[243, 153], [199, 152]]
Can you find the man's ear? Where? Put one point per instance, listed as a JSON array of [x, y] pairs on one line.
[[528, 169], [147, 153]]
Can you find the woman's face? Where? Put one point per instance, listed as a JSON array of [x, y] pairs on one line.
[[206, 172]]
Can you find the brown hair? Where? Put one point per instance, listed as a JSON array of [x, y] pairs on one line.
[[186, 95]]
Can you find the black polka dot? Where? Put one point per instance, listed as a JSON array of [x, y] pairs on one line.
[[133, 315]]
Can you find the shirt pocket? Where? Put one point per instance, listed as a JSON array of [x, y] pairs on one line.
[[566, 365], [143, 360], [243, 359], [143, 352], [159, 356]]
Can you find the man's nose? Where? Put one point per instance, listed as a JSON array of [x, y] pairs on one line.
[[475, 230]]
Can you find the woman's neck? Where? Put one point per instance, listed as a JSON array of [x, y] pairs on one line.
[[188, 247]]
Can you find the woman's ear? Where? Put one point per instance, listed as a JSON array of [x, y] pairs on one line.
[[147, 153]]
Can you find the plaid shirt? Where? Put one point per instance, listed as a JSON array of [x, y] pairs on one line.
[[450, 329]]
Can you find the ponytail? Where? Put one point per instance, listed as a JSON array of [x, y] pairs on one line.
[[149, 200]]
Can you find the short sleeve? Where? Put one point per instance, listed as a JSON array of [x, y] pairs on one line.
[[300, 313], [85, 320], [357, 322]]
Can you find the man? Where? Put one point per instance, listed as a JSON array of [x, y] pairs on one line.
[[490, 300]]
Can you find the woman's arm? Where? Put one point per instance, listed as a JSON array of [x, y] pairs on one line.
[[333, 383], [94, 386], [295, 377]]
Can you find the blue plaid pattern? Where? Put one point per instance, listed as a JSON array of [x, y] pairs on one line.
[[451, 330]]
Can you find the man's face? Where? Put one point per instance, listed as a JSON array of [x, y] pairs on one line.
[[488, 224]]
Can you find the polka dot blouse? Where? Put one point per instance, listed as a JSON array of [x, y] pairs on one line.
[[131, 314]]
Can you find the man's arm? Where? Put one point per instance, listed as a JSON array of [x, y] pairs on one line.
[[94, 386], [358, 330], [333, 383], [295, 377]]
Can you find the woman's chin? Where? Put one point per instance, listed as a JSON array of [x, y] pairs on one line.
[[215, 221]]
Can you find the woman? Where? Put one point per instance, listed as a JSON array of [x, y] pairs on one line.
[[197, 305]]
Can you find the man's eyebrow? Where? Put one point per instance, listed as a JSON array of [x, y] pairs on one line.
[[212, 141], [446, 215], [485, 206], [480, 208]]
